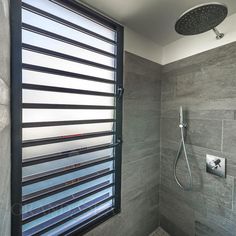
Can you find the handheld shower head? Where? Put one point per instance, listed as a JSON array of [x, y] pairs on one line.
[[181, 118], [182, 124]]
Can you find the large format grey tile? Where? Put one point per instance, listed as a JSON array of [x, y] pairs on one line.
[[229, 136], [171, 227], [208, 227], [202, 133], [142, 66], [142, 87], [221, 55], [177, 212], [139, 150]]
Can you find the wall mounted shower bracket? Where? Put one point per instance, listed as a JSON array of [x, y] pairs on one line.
[[218, 34]]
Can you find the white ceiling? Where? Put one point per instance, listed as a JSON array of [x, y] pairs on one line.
[[154, 19]]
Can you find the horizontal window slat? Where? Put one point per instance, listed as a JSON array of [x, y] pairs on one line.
[[61, 123], [95, 219], [65, 90], [64, 106], [51, 97], [39, 212], [59, 8], [44, 60], [65, 39], [61, 155], [41, 78], [62, 171], [65, 22], [39, 40], [30, 143], [64, 56], [58, 220], [65, 73], [64, 186]]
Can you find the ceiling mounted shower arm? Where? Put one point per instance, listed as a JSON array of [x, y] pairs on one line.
[[218, 34]]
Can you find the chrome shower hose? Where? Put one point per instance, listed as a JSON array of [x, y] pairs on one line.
[[182, 147]]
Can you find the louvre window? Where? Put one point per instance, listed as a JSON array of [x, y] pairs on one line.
[[68, 131]]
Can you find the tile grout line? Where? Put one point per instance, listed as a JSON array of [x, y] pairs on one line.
[[160, 153], [233, 203], [222, 135]]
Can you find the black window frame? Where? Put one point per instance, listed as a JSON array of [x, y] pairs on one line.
[[16, 114]]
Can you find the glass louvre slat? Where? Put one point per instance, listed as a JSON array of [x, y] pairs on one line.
[[73, 17], [43, 132], [35, 115], [35, 178], [81, 219], [57, 28], [34, 96], [68, 174], [67, 193], [55, 45], [64, 178], [32, 77], [39, 59], [64, 213], [61, 147], [29, 216], [48, 166]]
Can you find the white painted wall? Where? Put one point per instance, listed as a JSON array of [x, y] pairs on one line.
[[142, 46], [191, 45]]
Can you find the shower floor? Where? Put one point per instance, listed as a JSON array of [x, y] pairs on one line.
[[159, 232]]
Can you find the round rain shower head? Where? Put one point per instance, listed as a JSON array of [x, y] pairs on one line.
[[202, 18]]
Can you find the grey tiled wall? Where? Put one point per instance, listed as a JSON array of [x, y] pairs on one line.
[[4, 120], [141, 152], [205, 85]]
